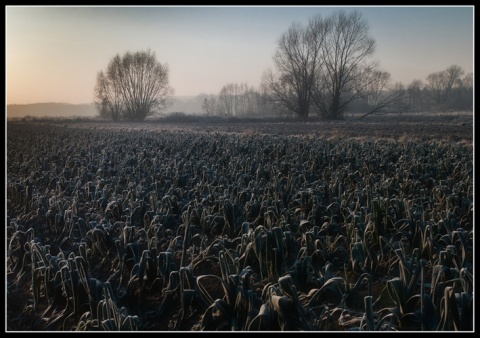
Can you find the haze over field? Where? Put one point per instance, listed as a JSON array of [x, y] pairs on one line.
[[53, 54], [185, 104]]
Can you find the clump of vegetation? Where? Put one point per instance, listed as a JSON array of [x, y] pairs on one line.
[[116, 229]]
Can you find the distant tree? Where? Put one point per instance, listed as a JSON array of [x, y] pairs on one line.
[[467, 91], [227, 98], [415, 95], [268, 105], [239, 100], [209, 105], [440, 85], [461, 96], [252, 101], [133, 87], [380, 97], [468, 82]]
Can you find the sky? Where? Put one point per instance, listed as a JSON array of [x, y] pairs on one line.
[[53, 53]]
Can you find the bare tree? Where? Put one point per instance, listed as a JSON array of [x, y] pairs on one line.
[[137, 83], [297, 61], [226, 98], [346, 51], [239, 99], [324, 65], [415, 95], [209, 105], [108, 97], [467, 90], [253, 101], [441, 83], [268, 105], [468, 82], [380, 96]]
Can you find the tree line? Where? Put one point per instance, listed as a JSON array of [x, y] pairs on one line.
[[441, 91], [324, 68]]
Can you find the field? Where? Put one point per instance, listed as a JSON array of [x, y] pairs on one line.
[[221, 225]]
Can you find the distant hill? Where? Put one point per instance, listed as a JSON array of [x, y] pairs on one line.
[[51, 109], [185, 104]]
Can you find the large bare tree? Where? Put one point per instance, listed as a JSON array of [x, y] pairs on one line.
[[297, 61], [322, 66], [347, 67], [133, 86]]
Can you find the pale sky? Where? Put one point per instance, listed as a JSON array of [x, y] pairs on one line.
[[53, 53]]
